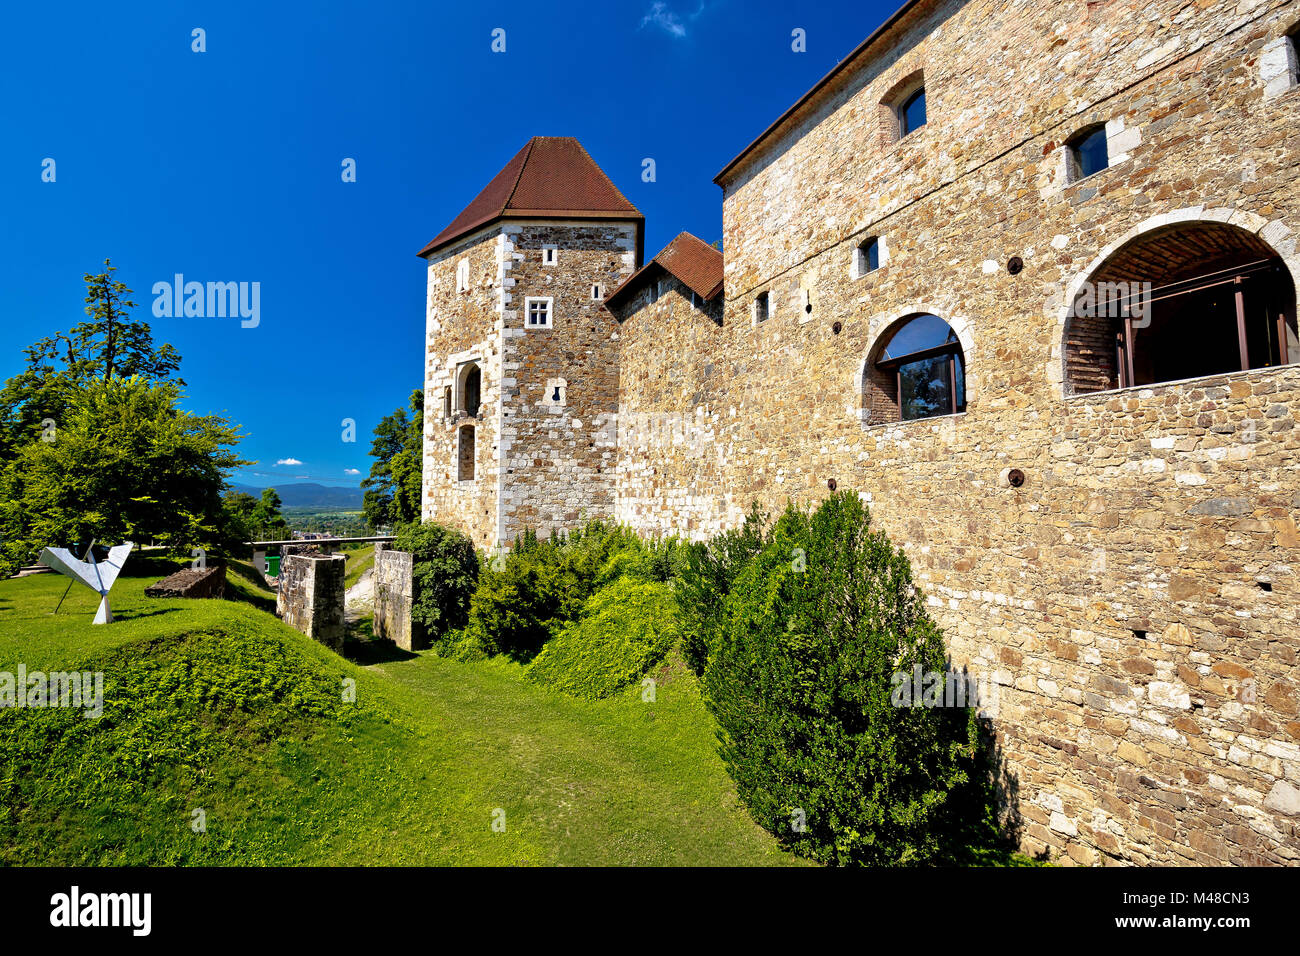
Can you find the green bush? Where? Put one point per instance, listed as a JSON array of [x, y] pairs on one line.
[[528, 595], [625, 629], [705, 572], [445, 569], [800, 680]]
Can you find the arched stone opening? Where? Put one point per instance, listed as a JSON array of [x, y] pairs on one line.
[[1179, 300], [915, 369]]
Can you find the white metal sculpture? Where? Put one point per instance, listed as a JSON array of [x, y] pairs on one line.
[[98, 576]]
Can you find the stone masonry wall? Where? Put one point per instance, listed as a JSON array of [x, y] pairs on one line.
[[670, 461], [394, 595], [1135, 600], [559, 424], [310, 597], [463, 326]]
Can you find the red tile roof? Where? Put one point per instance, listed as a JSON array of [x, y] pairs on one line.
[[552, 177], [693, 261]]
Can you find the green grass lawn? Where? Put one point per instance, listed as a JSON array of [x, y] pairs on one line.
[[217, 706], [359, 559]]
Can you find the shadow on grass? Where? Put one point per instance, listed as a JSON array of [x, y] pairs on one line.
[[247, 589], [137, 615], [374, 651], [362, 647]]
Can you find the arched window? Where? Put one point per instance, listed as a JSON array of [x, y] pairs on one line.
[[465, 454], [469, 382], [911, 112], [1087, 153], [1184, 301], [917, 370]]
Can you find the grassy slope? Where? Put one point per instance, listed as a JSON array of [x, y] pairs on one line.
[[217, 705], [358, 560]]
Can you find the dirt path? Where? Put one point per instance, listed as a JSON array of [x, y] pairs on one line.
[[359, 601]]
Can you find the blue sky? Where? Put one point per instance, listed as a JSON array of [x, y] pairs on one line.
[[226, 166]]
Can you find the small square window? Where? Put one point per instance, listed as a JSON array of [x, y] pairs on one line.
[[1087, 153], [597, 292], [868, 256], [550, 255], [762, 307], [538, 312]]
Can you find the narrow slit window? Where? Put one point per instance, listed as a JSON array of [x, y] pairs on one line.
[[762, 307], [597, 292], [550, 255], [911, 113]]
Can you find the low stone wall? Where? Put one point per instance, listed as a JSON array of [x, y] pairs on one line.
[[394, 595], [311, 596], [209, 582]]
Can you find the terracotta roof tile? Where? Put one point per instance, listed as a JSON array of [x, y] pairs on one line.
[[691, 260], [551, 177]]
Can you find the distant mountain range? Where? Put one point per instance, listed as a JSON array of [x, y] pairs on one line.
[[309, 495]]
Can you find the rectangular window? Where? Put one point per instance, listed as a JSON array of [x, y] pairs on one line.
[[597, 292], [1293, 54], [462, 276], [868, 256], [1088, 153], [550, 255], [538, 312], [652, 294], [761, 307]]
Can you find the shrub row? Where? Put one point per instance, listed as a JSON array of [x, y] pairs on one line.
[[797, 629]]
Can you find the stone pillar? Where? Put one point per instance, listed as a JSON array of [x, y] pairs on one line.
[[394, 597], [311, 596]]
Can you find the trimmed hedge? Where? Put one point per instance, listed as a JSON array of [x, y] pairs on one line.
[[528, 596], [800, 680], [625, 629]]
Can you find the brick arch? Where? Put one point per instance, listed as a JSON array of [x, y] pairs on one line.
[[887, 110], [1272, 233], [882, 327]]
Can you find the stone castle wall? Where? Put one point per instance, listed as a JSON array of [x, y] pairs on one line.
[[561, 398], [462, 327], [671, 462], [394, 597], [1135, 599]]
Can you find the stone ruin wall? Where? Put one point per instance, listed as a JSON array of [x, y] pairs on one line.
[[311, 597], [1135, 600], [394, 596]]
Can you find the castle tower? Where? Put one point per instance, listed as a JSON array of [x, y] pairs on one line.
[[521, 374]]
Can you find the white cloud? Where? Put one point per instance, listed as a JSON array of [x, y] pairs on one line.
[[351, 471], [291, 462], [662, 16]]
